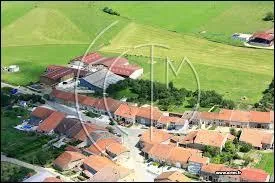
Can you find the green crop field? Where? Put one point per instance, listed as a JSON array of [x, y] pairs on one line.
[[232, 71], [36, 34]]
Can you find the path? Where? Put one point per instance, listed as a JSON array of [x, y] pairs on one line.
[[20, 88]]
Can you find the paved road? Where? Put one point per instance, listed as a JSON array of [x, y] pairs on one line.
[[20, 88], [41, 174]]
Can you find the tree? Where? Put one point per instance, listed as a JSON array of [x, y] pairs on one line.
[[192, 102], [230, 147], [233, 131], [245, 147], [239, 134], [269, 16]]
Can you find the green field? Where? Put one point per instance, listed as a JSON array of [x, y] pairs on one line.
[[38, 34], [267, 163], [24, 146], [13, 173]]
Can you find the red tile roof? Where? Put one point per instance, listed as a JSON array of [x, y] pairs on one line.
[[256, 137], [52, 179], [263, 35], [170, 119], [51, 122], [100, 145], [98, 162], [68, 157], [127, 111], [179, 154], [51, 68], [110, 62], [172, 176], [263, 117], [68, 96], [107, 104], [83, 134], [153, 136], [42, 112], [211, 138], [239, 116], [212, 168], [161, 151], [199, 159], [89, 58], [58, 73], [152, 113], [254, 175], [117, 148], [124, 70]]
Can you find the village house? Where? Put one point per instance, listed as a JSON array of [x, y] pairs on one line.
[[126, 113], [106, 106], [95, 163], [69, 99], [232, 118], [208, 172], [172, 176], [259, 139], [50, 123], [99, 147], [175, 156], [170, 122], [154, 136], [254, 175], [148, 115], [68, 160], [74, 128], [201, 138], [39, 114], [112, 174]]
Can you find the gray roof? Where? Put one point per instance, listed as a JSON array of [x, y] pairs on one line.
[[102, 78]]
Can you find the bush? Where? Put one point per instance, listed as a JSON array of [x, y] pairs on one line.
[[46, 96], [269, 16], [245, 147], [110, 11]]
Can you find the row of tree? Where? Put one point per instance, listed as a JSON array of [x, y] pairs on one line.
[[165, 96]]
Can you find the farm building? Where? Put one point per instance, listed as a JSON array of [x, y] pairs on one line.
[[77, 72], [128, 71], [86, 61], [56, 76], [262, 39], [100, 80]]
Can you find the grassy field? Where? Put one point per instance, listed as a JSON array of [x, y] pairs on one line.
[[36, 34], [219, 20], [267, 163], [24, 146], [13, 173]]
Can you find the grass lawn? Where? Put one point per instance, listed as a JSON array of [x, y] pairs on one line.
[[234, 72], [14, 173], [266, 163], [219, 20], [25, 146]]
